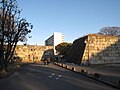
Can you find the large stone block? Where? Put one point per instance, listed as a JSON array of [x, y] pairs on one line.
[[31, 53]]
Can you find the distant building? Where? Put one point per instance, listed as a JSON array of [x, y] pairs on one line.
[[54, 40]]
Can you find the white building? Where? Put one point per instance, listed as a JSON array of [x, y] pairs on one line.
[[54, 40]]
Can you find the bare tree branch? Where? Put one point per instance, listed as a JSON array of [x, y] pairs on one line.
[[114, 31], [12, 29]]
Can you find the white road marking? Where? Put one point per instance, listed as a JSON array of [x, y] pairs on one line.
[[52, 74], [57, 78], [59, 75]]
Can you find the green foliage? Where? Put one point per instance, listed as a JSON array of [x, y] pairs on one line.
[[62, 48]]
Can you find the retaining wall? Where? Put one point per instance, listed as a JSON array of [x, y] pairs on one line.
[[96, 49], [32, 53]]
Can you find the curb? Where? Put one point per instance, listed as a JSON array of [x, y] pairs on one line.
[[85, 72]]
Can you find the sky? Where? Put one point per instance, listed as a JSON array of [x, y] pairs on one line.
[[73, 18]]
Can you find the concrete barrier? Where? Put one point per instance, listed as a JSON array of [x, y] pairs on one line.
[[97, 75], [77, 69], [69, 67], [73, 69], [64, 65], [82, 70], [61, 64], [88, 72], [57, 63]]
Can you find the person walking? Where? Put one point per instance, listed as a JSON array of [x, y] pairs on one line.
[[48, 61]]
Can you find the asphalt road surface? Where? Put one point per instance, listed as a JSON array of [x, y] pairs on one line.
[[49, 77]]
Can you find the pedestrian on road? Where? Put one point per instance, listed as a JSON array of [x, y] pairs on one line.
[[48, 61], [44, 61]]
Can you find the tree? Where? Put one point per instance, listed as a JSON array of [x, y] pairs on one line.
[[113, 31], [62, 48], [13, 28]]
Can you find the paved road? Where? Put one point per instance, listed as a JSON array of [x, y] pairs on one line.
[[50, 77]]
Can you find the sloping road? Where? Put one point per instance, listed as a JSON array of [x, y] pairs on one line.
[[49, 77]]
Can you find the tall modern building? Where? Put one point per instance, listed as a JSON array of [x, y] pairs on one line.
[[54, 40]]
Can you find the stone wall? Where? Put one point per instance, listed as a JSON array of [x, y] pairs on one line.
[[97, 49], [32, 53], [101, 49]]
